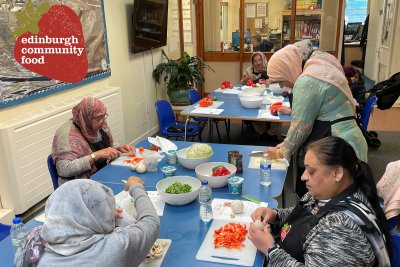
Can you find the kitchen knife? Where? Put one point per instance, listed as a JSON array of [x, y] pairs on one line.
[[224, 258], [257, 154]]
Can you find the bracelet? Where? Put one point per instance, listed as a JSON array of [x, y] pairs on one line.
[[93, 156], [278, 153]]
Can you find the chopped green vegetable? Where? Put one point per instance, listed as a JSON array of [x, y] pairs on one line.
[[178, 188]]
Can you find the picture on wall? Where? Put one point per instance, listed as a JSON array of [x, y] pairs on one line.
[[50, 46]]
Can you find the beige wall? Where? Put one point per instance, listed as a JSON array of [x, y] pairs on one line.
[[131, 72]]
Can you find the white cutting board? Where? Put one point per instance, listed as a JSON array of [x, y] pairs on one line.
[[245, 256], [157, 262]]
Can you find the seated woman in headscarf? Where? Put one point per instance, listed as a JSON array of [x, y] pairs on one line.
[[337, 223], [258, 70], [82, 228], [84, 144], [323, 104]]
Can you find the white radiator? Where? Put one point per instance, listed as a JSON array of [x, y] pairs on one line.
[[26, 143]]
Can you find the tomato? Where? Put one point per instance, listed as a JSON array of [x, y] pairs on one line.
[[203, 102], [249, 83], [223, 86], [230, 86]]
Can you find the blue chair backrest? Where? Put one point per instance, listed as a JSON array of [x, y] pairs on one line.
[[395, 259], [194, 96], [4, 230], [367, 110], [52, 171], [165, 114]]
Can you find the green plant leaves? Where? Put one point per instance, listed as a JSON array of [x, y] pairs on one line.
[[28, 19]]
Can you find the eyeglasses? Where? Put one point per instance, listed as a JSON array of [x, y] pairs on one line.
[[101, 118]]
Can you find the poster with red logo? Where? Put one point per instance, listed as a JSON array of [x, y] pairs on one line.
[[49, 46]]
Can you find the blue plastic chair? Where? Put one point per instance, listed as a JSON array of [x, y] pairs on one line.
[[166, 118], [194, 97], [367, 110], [395, 259], [4, 231], [53, 171]]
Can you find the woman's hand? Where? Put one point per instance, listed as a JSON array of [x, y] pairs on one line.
[[246, 77], [118, 213], [266, 215], [131, 181], [127, 148], [284, 110], [108, 153], [262, 239], [271, 152]]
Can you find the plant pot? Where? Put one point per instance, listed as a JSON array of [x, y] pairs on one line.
[[179, 96]]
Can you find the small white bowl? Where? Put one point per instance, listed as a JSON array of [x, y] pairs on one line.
[[276, 89], [204, 172], [251, 101], [178, 199], [190, 163]]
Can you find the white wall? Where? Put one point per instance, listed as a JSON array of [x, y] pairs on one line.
[[131, 72]]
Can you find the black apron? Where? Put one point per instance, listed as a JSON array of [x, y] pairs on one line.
[[103, 143], [301, 221]]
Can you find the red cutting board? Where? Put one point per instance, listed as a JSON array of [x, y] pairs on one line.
[[244, 256]]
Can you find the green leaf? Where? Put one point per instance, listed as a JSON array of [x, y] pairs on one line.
[[28, 19]]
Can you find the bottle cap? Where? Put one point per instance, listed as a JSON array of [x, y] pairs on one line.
[[204, 182], [17, 220], [265, 155]]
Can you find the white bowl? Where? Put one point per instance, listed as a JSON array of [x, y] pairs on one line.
[[190, 163], [248, 93], [276, 89], [251, 101], [178, 199], [258, 89], [204, 172]]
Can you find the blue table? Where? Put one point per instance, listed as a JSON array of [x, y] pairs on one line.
[[181, 224], [251, 186], [232, 110]]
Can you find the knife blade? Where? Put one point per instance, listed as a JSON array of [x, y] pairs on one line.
[[257, 154], [224, 258]]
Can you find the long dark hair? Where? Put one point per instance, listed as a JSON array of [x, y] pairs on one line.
[[334, 151]]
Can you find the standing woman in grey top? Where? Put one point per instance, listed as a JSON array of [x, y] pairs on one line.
[[84, 144], [81, 228]]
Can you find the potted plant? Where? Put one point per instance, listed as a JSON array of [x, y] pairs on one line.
[[180, 75]]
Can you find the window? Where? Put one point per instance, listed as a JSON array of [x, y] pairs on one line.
[[356, 11]]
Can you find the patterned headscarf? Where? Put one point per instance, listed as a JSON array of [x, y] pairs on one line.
[[285, 64], [305, 47], [264, 59], [78, 214], [83, 114]]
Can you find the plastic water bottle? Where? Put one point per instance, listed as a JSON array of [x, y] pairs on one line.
[[17, 231], [205, 199], [265, 170]]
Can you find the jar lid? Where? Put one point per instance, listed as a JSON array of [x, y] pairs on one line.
[[236, 180], [168, 169]]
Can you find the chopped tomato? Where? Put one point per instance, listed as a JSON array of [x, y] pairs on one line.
[[230, 235], [141, 150], [127, 161]]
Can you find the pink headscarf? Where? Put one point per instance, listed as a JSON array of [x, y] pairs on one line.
[[389, 189], [285, 64], [83, 114]]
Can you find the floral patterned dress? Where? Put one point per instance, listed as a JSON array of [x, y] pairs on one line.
[[314, 99]]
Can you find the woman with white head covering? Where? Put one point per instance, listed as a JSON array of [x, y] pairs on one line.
[[258, 69], [80, 228], [321, 96]]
